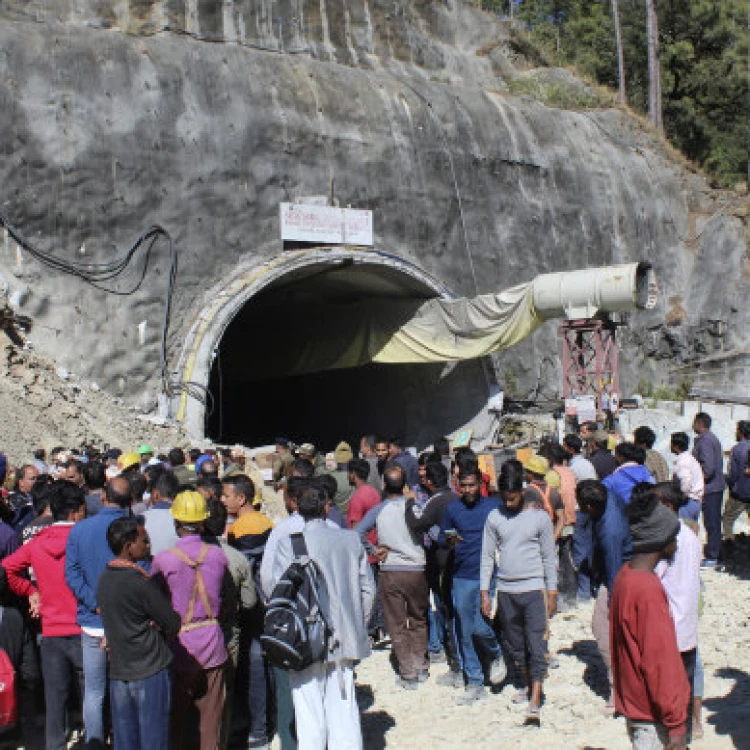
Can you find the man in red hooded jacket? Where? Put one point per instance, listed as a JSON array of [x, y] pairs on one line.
[[53, 601]]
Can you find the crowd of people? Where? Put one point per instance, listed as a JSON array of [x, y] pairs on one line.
[[136, 586]]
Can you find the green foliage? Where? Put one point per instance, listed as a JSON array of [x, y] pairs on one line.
[[558, 94], [510, 382], [679, 392], [704, 63]]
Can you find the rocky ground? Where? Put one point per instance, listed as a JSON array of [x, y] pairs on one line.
[[42, 406], [572, 716]]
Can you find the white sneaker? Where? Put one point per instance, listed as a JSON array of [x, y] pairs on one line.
[[498, 671], [472, 694]]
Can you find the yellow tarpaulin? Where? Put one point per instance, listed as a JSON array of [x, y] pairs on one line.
[[445, 330], [334, 336]]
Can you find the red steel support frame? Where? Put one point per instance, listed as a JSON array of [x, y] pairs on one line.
[[589, 358]]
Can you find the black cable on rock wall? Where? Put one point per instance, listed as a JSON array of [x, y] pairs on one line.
[[96, 274]]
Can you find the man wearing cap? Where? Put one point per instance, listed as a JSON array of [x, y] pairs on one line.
[[193, 573], [307, 452], [146, 452], [651, 688], [184, 475], [599, 456], [341, 456], [129, 463], [540, 494], [282, 461]]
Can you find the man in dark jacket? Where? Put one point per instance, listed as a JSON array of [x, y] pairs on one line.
[[137, 617], [707, 451], [428, 520], [21, 501], [612, 548], [599, 455], [738, 481], [405, 460]]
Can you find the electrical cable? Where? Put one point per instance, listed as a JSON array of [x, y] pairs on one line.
[[95, 274]]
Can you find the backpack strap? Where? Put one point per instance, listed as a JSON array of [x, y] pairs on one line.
[[546, 496], [199, 590]]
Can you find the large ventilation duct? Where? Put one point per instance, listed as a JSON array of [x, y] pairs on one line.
[[446, 330], [582, 294], [413, 331]]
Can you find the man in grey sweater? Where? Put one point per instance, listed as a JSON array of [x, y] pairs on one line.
[[403, 579], [519, 546], [325, 707]]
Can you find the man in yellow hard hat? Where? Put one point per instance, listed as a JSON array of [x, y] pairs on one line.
[[129, 462], [193, 572], [539, 493]]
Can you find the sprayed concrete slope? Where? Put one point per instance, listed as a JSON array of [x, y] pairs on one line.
[[204, 116]]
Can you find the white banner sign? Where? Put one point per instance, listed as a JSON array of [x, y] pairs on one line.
[[326, 224], [586, 408]]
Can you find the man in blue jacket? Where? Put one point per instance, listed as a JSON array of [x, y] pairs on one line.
[[630, 471], [612, 549], [86, 557], [462, 530]]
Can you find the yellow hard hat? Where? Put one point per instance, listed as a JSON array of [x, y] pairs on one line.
[[127, 460], [189, 507]]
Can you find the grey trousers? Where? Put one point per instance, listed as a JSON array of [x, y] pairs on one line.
[[646, 736], [733, 509], [600, 629]]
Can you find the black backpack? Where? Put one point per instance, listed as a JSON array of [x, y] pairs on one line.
[[296, 629]]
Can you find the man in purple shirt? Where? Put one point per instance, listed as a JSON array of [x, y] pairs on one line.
[[194, 574], [708, 452]]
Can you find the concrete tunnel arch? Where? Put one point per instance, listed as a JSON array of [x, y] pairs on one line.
[[244, 325]]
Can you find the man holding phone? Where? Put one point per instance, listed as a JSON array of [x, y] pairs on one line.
[[463, 531]]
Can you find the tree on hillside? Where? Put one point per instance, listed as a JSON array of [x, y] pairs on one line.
[[621, 90], [701, 47], [654, 67]]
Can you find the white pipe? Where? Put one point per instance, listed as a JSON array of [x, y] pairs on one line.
[[581, 294]]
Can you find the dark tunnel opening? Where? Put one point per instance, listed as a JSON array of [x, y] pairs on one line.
[[260, 393]]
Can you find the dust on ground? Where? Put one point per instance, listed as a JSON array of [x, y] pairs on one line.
[[572, 716]]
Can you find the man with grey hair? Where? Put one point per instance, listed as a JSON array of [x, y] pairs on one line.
[[325, 706]]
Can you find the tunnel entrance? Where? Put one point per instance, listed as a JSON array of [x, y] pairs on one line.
[[270, 377]]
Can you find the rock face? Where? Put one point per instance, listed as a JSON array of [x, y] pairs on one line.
[[204, 116]]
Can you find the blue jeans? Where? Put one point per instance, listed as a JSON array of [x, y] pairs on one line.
[[253, 692], [691, 511], [94, 688], [582, 550], [61, 663], [435, 626], [473, 631], [435, 612], [140, 712]]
